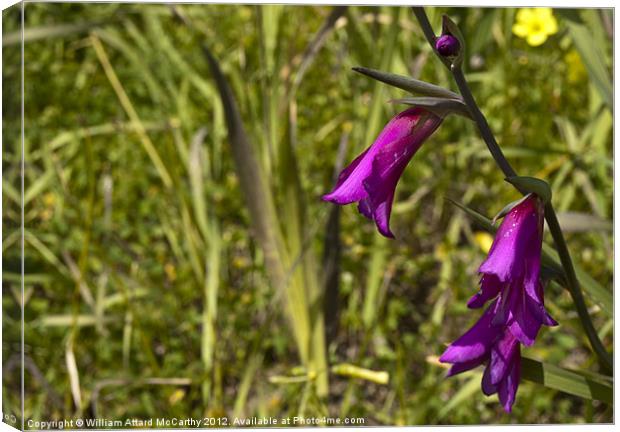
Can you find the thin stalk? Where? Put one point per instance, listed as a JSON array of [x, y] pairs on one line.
[[574, 288], [552, 221], [131, 112], [420, 14]]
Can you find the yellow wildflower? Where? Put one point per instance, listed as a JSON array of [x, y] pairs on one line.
[[171, 271], [49, 199], [176, 396], [535, 25], [576, 69], [484, 241]]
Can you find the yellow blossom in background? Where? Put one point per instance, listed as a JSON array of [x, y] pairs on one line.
[[484, 240], [441, 251], [176, 396], [576, 69], [171, 271], [535, 25], [49, 199]]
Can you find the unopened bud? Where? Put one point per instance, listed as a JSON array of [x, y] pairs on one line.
[[447, 45]]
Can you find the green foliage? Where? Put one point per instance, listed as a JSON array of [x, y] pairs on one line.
[[147, 290]]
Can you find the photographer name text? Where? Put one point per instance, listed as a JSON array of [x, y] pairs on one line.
[[205, 422]]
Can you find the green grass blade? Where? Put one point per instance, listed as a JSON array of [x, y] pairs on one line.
[[50, 31], [261, 207], [566, 381], [592, 56], [38, 186], [465, 393], [597, 292], [128, 106]]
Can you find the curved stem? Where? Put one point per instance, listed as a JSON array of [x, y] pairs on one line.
[[552, 221], [573, 286], [428, 32]]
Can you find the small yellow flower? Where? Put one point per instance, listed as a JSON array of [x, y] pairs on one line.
[[535, 25], [484, 241], [576, 69], [441, 251], [176, 396], [171, 271], [49, 199], [240, 262]]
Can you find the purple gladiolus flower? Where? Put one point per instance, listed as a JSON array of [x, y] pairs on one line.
[[371, 178], [510, 277]]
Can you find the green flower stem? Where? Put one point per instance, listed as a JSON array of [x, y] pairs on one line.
[[574, 288], [428, 32], [552, 221]]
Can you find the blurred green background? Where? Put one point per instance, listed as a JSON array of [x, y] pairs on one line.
[[156, 287]]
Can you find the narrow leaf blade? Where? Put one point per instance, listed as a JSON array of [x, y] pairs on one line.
[[566, 381], [409, 84]]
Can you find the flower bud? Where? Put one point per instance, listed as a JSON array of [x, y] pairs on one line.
[[447, 45]]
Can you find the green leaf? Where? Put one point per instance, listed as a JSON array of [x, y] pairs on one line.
[[482, 220], [503, 212], [597, 292], [483, 34], [592, 55], [411, 85], [38, 186], [469, 389], [10, 192], [532, 185], [571, 382], [439, 106], [48, 32], [289, 266]]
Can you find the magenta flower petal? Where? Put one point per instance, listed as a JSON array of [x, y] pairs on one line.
[[531, 260], [511, 281], [364, 208], [509, 368], [372, 177], [488, 388], [457, 368], [535, 297], [502, 357], [489, 288], [387, 168], [538, 307], [518, 237], [507, 388], [349, 187], [526, 319], [475, 343], [511, 272], [525, 315]]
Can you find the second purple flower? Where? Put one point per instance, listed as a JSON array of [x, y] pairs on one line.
[[371, 178], [511, 279]]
